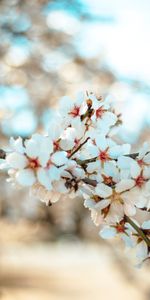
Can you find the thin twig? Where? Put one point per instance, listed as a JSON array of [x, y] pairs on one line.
[[78, 148], [90, 181], [86, 161], [2, 154], [139, 231]]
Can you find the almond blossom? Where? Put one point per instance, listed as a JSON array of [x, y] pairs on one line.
[[80, 157]]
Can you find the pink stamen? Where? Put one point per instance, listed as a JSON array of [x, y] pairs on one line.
[[99, 112], [56, 145], [75, 112], [139, 181], [103, 156], [33, 163]]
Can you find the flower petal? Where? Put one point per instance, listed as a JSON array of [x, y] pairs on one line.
[[59, 158], [146, 225], [135, 169], [17, 160], [43, 178], [103, 190], [108, 232], [25, 177], [124, 185], [32, 148]]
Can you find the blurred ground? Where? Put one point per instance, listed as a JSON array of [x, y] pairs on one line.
[[68, 271]]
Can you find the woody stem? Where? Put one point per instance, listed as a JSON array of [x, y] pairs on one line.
[[139, 231], [78, 148]]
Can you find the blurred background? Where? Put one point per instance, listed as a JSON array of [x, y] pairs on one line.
[[49, 49]]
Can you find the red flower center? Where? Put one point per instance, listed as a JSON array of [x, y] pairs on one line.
[[139, 181], [120, 228], [77, 142], [33, 163], [140, 162], [75, 112], [56, 145], [103, 156], [107, 180], [99, 112]]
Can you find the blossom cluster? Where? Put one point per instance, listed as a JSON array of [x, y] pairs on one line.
[[80, 157]]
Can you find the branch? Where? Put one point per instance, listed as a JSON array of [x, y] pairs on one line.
[[90, 181], [86, 161], [2, 154], [90, 160], [139, 231], [78, 148]]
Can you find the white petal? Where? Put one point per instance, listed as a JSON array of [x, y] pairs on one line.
[[109, 118], [108, 232], [146, 172], [141, 201], [143, 150], [32, 148], [115, 151], [129, 210], [43, 178], [146, 225], [92, 150], [78, 172], [66, 144], [119, 150], [89, 203], [17, 160], [17, 145], [101, 142], [110, 169], [147, 188], [141, 250], [124, 185], [116, 212], [103, 190], [126, 148], [147, 158], [102, 204], [127, 240], [59, 158], [124, 162], [54, 173], [26, 177], [135, 169], [94, 166]]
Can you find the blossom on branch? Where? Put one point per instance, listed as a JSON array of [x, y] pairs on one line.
[[80, 157]]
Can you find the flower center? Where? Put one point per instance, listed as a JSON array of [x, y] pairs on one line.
[[108, 180], [99, 112], [140, 162], [139, 181], [75, 112], [77, 142], [33, 163], [116, 197], [120, 227], [56, 145], [103, 156]]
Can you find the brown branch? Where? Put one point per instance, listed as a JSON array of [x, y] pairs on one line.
[[89, 181], [2, 154], [90, 160], [86, 161], [139, 231], [78, 148]]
